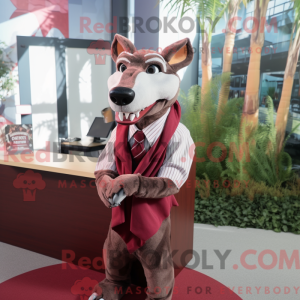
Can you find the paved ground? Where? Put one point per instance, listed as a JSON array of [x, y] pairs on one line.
[[239, 240]]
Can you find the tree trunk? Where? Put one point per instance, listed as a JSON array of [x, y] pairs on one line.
[[285, 100], [206, 63], [251, 103], [230, 34]]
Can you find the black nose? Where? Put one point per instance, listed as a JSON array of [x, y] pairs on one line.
[[121, 95]]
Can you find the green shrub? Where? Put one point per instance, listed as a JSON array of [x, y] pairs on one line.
[[271, 92], [254, 157], [7, 80], [264, 212], [247, 188], [270, 195], [200, 119], [266, 165]]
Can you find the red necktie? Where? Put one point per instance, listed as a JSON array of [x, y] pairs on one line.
[[138, 150]]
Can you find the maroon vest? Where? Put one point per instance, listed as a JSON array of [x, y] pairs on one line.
[[138, 219]]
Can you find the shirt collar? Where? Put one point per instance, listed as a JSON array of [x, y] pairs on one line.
[[152, 131]]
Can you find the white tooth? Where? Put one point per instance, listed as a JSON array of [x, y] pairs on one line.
[[132, 117], [121, 116], [126, 115], [137, 114]]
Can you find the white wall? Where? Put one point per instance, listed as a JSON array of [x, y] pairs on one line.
[[43, 96], [87, 92]]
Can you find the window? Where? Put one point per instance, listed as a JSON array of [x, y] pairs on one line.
[[231, 81], [278, 9], [237, 82], [278, 2], [244, 81]]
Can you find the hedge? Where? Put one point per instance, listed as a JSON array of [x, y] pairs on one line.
[[264, 212]]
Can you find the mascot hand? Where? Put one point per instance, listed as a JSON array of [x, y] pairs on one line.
[[102, 186], [130, 183]]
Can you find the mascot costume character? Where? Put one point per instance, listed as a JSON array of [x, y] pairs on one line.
[[145, 162]]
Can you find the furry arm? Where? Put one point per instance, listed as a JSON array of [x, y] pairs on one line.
[[102, 181], [141, 186]]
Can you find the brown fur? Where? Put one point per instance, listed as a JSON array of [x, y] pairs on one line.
[[178, 55], [103, 181], [109, 183], [158, 275], [123, 43], [141, 186]]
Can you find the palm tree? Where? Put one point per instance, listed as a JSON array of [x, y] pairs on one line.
[[251, 102], [208, 13], [230, 33], [290, 69]]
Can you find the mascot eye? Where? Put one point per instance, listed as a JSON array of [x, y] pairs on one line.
[[153, 69], [122, 68]]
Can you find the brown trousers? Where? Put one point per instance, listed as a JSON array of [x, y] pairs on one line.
[[155, 257]]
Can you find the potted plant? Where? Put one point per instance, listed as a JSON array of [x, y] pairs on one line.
[[7, 80], [7, 85]]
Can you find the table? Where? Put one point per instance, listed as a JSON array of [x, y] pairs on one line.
[[82, 146], [61, 211]]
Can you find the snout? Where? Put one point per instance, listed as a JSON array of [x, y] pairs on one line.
[[121, 95]]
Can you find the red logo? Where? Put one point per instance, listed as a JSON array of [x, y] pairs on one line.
[[100, 49], [83, 288], [50, 14], [29, 182]]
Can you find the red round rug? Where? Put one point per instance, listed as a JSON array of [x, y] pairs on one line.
[[56, 283]]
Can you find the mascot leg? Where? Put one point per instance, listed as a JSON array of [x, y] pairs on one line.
[[118, 263], [156, 259]]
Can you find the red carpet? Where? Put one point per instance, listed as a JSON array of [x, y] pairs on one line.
[[54, 283]]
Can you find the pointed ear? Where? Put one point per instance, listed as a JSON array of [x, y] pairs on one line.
[[120, 44], [179, 54]]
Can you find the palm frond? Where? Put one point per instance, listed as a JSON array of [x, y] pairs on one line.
[[265, 165]]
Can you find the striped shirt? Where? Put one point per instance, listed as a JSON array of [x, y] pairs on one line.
[[179, 154]]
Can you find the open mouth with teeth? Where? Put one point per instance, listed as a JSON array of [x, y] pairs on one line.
[[132, 118]]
